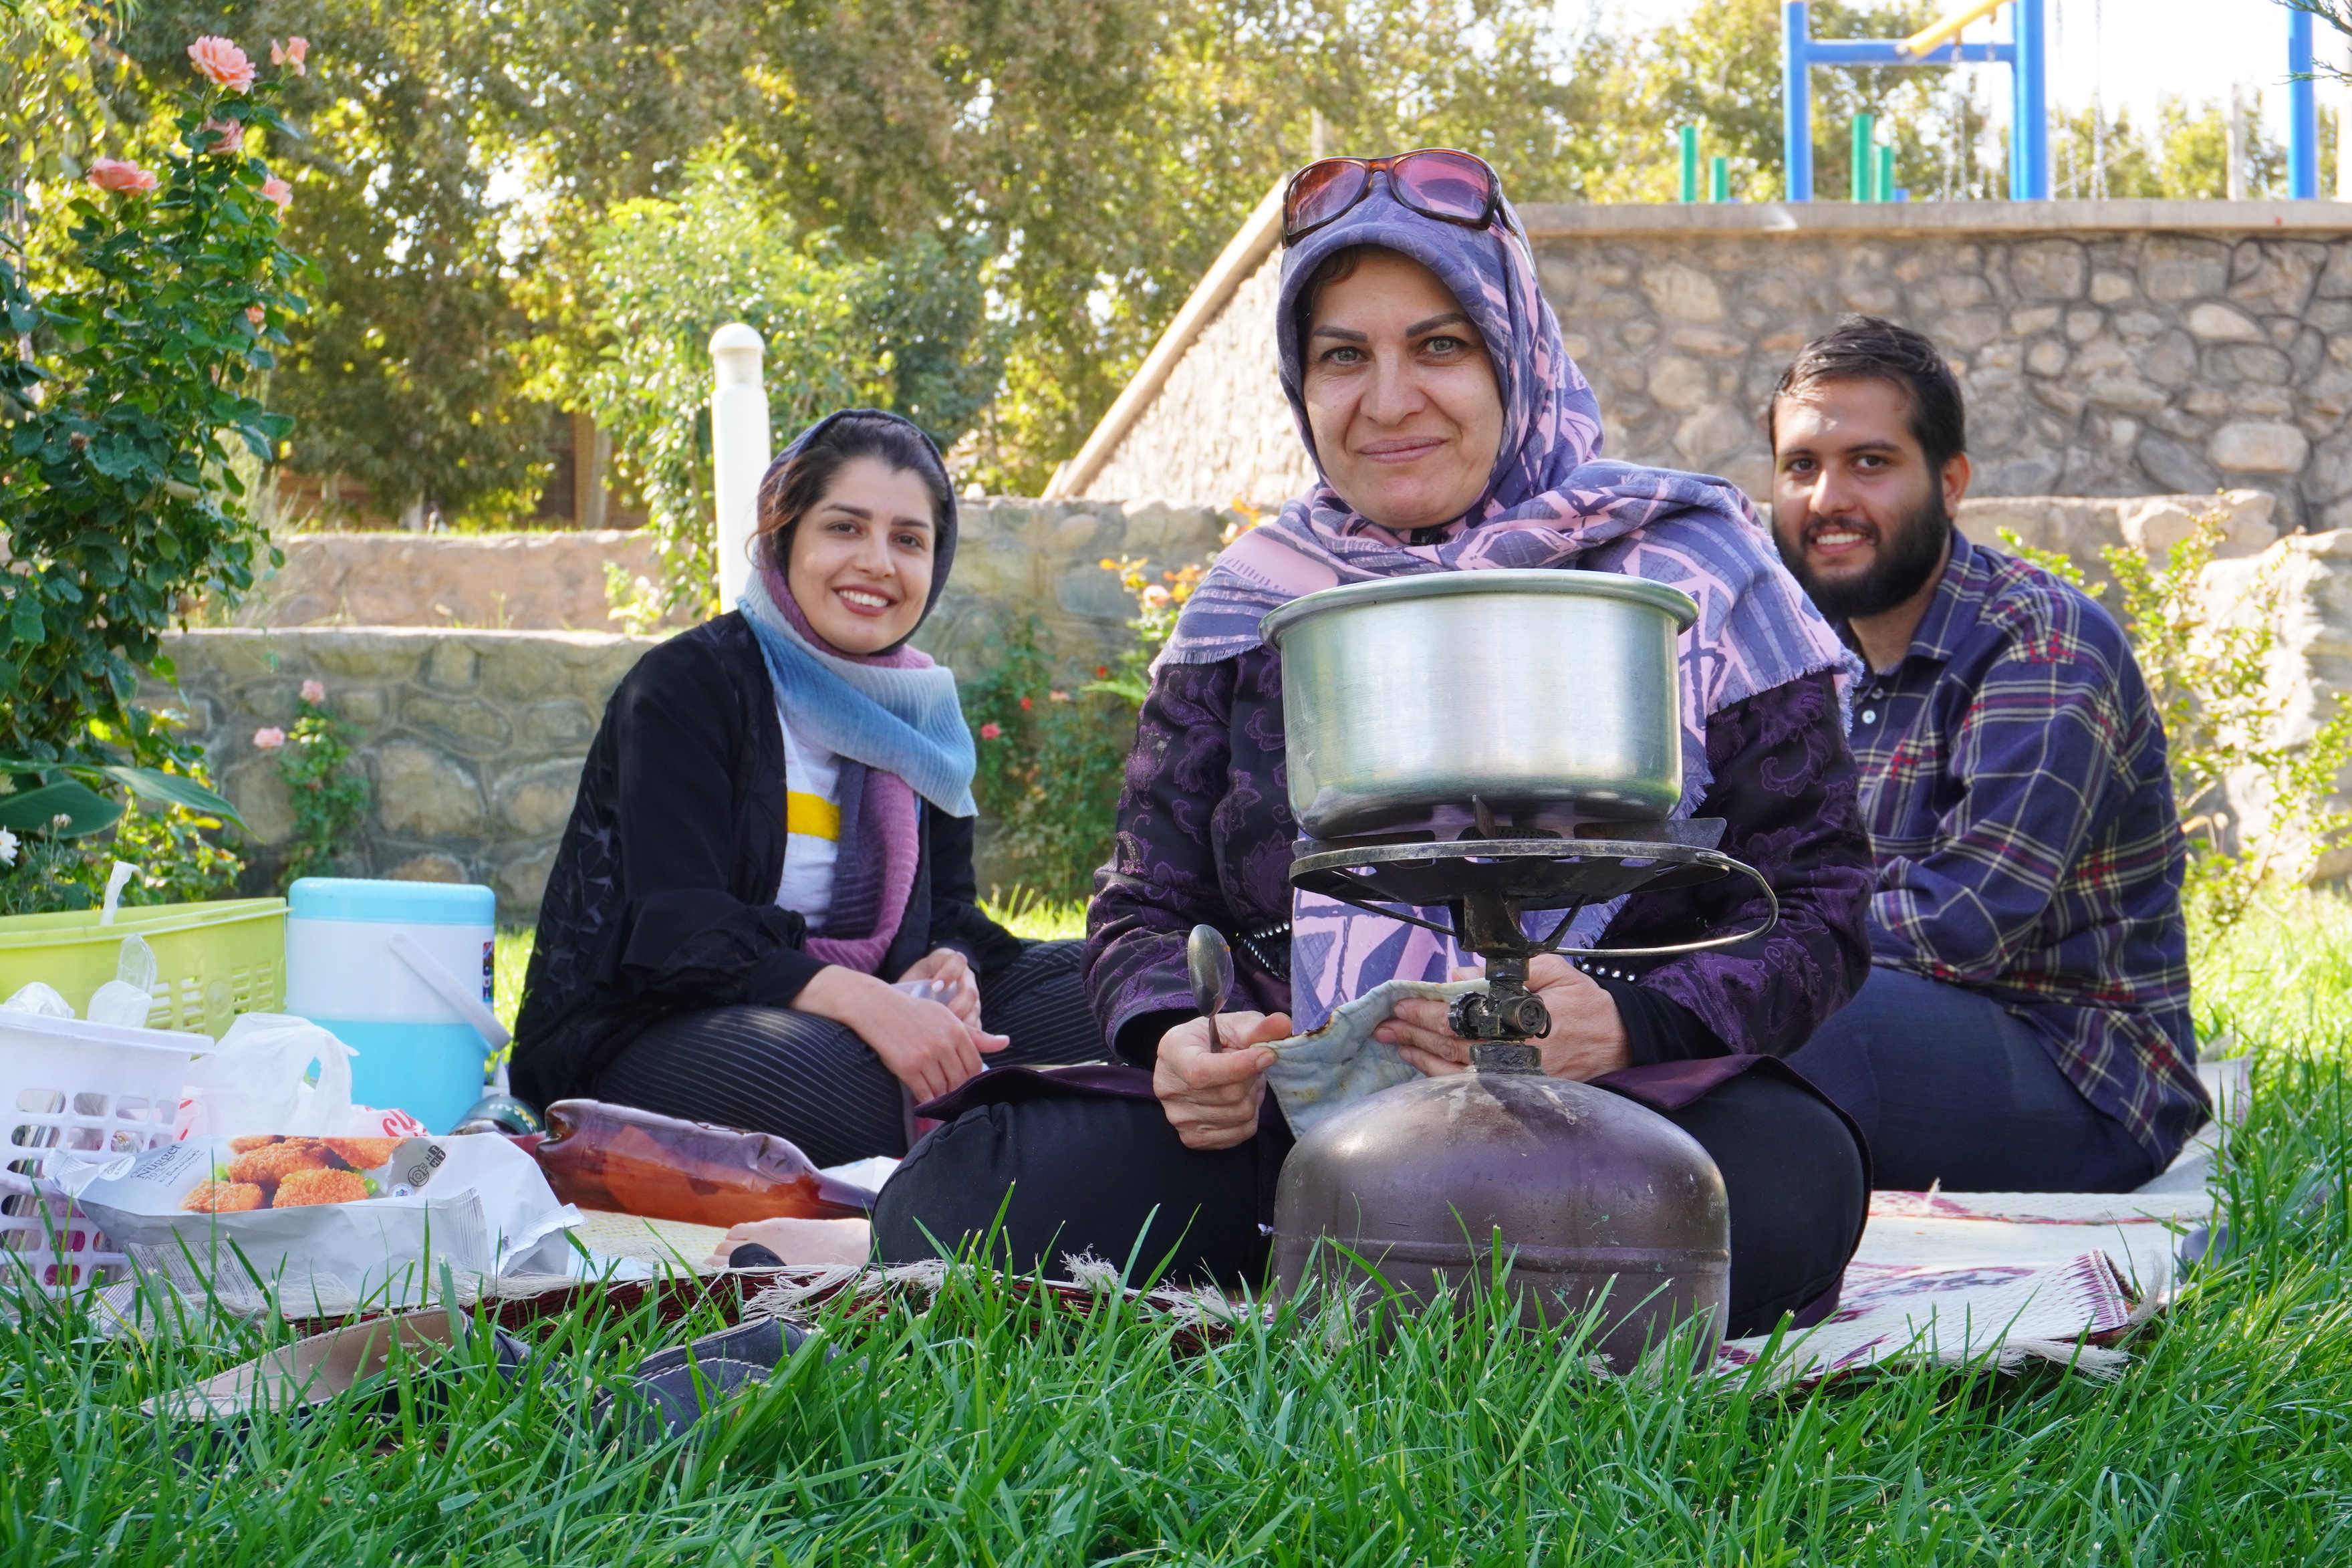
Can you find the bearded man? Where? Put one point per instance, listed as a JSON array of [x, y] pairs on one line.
[[2025, 1024]]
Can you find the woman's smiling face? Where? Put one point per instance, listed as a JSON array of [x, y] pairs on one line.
[[1400, 394], [860, 568]]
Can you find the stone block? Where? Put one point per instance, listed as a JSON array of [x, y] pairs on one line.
[[2174, 466], [1680, 292], [536, 802], [521, 883], [2046, 358], [2259, 447], [2257, 362], [2027, 321], [420, 792], [1713, 344], [452, 666], [2218, 324], [1709, 436], [2111, 288], [2169, 361], [2083, 325], [1968, 330], [2048, 269], [463, 724], [1681, 385], [564, 724], [254, 787], [2175, 268], [2128, 393], [364, 709], [433, 866], [2157, 523], [2275, 276]]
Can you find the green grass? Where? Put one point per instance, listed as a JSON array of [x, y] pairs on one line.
[[992, 1431]]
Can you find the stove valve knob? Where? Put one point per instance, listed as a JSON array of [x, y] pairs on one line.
[[1510, 1016]]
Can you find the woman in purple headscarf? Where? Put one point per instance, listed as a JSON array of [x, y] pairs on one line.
[[1429, 381]]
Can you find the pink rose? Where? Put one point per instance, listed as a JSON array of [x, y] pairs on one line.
[[255, 314], [293, 54], [269, 738], [314, 692], [231, 135], [221, 63], [114, 174], [1156, 597], [1057, 697], [278, 191], [991, 731]]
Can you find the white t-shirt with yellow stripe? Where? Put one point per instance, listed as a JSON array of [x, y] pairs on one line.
[[812, 828]]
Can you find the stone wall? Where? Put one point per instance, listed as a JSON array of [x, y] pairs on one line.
[[552, 580], [2107, 349], [472, 739]]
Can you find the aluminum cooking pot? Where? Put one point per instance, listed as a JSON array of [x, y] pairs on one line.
[[1404, 697]]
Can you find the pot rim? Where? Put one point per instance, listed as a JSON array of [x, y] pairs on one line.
[[1565, 582]]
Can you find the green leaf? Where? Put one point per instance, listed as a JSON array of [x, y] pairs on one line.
[[86, 811], [153, 784]]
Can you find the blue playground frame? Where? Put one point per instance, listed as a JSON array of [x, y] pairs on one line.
[[2025, 54]]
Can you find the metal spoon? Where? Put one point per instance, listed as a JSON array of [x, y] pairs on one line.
[[1211, 962]]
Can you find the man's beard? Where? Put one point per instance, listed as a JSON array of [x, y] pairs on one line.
[[1908, 554]]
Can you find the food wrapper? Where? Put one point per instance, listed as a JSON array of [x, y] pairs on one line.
[[325, 1224]]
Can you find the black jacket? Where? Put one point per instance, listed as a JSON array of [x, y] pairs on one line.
[[663, 896]]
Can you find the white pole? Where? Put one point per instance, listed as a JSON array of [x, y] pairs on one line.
[[738, 451]]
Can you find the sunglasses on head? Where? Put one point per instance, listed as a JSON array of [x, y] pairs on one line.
[[1436, 181]]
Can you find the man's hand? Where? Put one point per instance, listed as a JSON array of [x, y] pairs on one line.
[[961, 996], [1587, 1038], [1212, 1098], [926, 1047]]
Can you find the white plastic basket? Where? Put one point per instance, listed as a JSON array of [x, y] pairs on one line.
[[70, 1085]]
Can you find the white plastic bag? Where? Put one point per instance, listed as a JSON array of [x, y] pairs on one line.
[[126, 1000], [475, 1203], [259, 1079]]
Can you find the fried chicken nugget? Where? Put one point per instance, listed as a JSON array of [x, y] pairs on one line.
[[252, 1140], [362, 1154], [222, 1198], [272, 1163], [319, 1186]]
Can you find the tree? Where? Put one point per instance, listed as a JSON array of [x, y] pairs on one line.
[[904, 332], [407, 376]]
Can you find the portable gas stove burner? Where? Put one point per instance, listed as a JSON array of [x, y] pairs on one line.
[[1486, 883]]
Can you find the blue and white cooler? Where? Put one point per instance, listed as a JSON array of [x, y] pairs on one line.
[[402, 973]]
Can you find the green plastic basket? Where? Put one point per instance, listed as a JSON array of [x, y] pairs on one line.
[[213, 961]]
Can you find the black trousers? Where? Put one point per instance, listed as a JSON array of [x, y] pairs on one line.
[[1951, 1086], [1110, 1176], [773, 1070]]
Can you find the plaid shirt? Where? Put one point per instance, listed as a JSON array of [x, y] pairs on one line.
[[2014, 784]]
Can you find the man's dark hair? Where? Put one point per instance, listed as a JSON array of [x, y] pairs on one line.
[[1865, 348]]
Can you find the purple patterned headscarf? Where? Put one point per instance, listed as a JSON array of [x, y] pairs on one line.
[[1552, 501]]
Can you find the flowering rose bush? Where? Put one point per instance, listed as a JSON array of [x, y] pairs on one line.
[[116, 431], [330, 797]]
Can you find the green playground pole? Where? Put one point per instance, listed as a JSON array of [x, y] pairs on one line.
[[1862, 160], [1718, 179], [1690, 163], [1885, 185]]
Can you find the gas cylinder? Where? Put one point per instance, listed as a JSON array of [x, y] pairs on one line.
[[1592, 1198]]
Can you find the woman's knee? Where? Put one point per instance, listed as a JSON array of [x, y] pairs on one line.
[[1042, 1180], [1798, 1189]]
